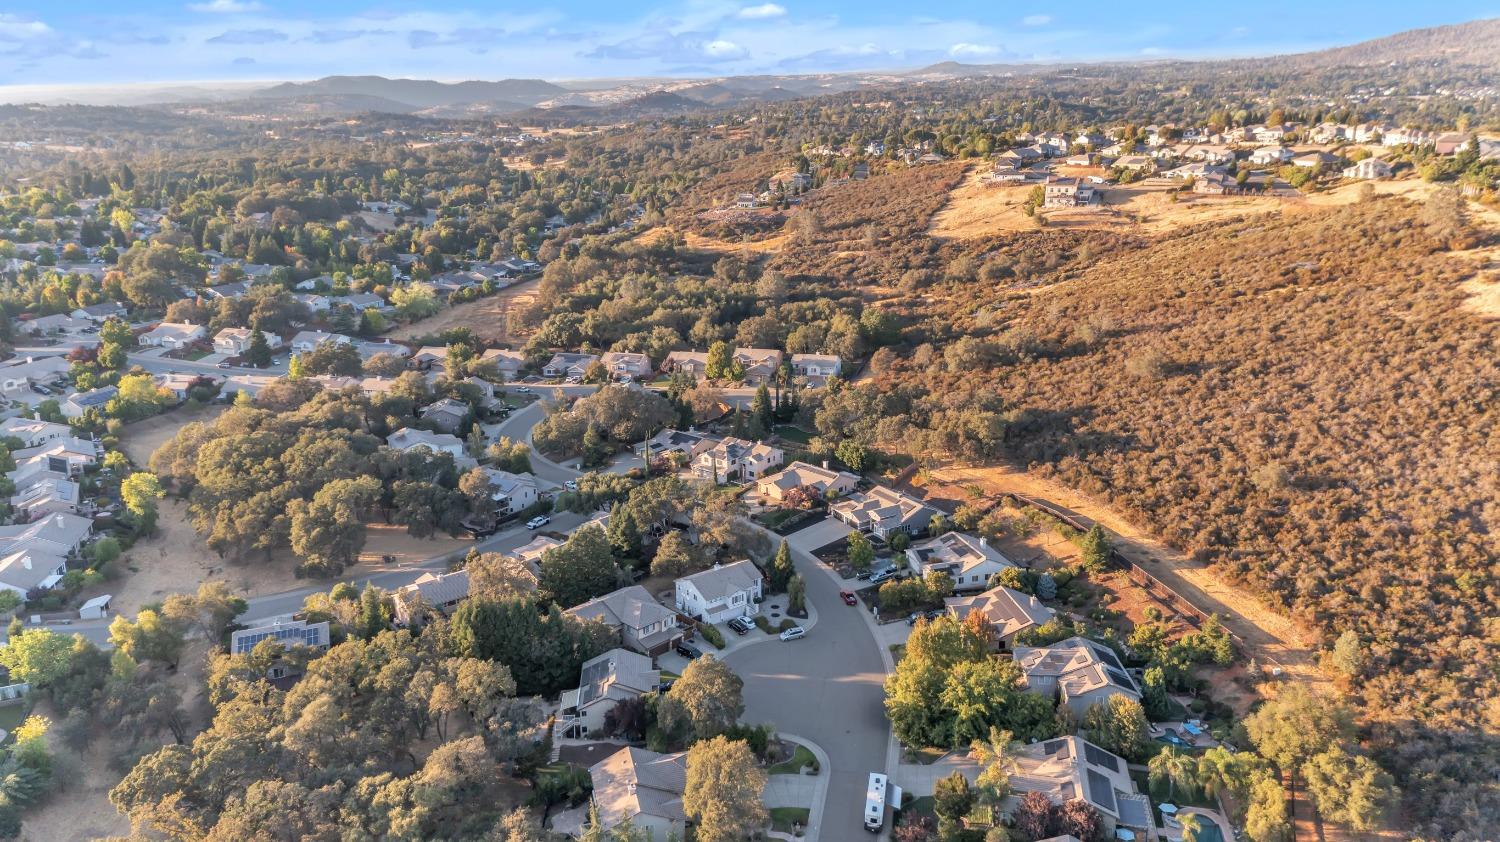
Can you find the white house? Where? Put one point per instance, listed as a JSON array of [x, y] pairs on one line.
[[307, 341], [33, 433], [1271, 155], [174, 335], [643, 624], [511, 492], [970, 561], [79, 403], [236, 340], [407, 438], [721, 592], [736, 460], [1368, 170], [816, 367], [24, 571]]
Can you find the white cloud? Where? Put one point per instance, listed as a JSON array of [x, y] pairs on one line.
[[1036, 20], [226, 7], [16, 28], [1153, 51], [965, 50], [721, 49], [761, 12]]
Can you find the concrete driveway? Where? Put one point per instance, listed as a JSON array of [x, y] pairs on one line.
[[829, 688], [819, 535]]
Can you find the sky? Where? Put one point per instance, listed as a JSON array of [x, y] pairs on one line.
[[106, 42]]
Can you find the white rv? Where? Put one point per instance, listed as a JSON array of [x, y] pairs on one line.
[[875, 803]]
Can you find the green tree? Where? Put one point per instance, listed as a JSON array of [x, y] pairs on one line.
[[861, 553], [1266, 818], [1119, 725], [327, 531], [1294, 726], [675, 556], [706, 701], [140, 491], [1176, 768], [1348, 655], [1094, 547], [720, 361], [781, 569], [724, 790], [38, 657], [1349, 789], [952, 800], [259, 352], [152, 637], [580, 569]]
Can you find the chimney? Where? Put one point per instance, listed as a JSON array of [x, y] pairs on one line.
[[825, 464], [983, 541]]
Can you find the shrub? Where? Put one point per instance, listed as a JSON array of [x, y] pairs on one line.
[[712, 635]]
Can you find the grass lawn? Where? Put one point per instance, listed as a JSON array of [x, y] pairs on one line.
[[11, 717], [801, 757], [794, 433], [783, 817], [921, 807]]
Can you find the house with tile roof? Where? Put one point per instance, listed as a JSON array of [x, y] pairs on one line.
[[968, 560], [883, 512], [1008, 612], [1078, 672], [820, 482], [643, 624]]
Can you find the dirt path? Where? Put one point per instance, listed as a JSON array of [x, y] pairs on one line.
[[1271, 638]]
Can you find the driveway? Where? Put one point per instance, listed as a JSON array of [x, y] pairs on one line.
[[829, 688], [819, 535]]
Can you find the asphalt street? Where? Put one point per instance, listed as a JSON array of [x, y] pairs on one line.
[[829, 688]]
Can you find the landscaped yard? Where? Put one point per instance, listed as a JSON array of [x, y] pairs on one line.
[[801, 757], [782, 818], [794, 434]]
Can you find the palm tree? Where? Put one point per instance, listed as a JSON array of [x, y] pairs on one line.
[[1191, 825], [1177, 768], [996, 758]]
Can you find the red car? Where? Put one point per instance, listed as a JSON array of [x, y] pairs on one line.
[[848, 598]]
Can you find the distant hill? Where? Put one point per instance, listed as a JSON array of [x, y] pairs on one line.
[[420, 93], [1474, 43]]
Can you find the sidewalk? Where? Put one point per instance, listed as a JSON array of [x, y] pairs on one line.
[[810, 791], [734, 642]]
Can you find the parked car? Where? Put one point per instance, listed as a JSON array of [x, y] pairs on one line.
[[793, 633], [848, 598], [688, 650], [863, 574], [538, 522], [885, 575], [223, 365], [665, 686], [740, 625], [525, 390], [571, 485]]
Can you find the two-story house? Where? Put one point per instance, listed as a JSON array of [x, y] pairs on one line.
[[736, 460], [643, 624], [721, 593]]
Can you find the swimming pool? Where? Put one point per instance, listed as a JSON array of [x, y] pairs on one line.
[[1209, 832], [1173, 738]]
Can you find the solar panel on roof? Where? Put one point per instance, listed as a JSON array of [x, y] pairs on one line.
[[1100, 757], [1107, 655], [1101, 792], [1120, 678], [1051, 746]]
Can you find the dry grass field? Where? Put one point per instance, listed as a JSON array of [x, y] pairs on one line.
[[485, 316]]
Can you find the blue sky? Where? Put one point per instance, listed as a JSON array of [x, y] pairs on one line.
[[86, 42]]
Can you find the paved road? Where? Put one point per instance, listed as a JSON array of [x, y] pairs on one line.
[[288, 602], [827, 687]]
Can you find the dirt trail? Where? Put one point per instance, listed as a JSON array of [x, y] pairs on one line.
[[1271, 638]]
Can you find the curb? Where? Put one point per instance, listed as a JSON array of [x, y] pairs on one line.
[[820, 796]]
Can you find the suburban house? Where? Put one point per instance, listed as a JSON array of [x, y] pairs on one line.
[[625, 365], [569, 365], [173, 335], [67, 455], [679, 444], [736, 460], [721, 593], [643, 788], [21, 373], [44, 494], [604, 681], [369, 350], [531, 553], [1067, 193], [437, 591], [644, 625], [819, 482], [81, 402], [284, 630], [99, 313], [180, 383], [307, 341], [33, 433], [58, 323], [1368, 170], [362, 301], [1008, 612], [407, 438], [1312, 160], [968, 560], [429, 355], [1072, 768], [508, 362], [447, 414], [231, 291], [694, 363], [313, 302], [1081, 673], [1271, 155], [28, 570], [760, 364], [235, 341], [883, 512], [511, 492], [60, 534], [817, 368]]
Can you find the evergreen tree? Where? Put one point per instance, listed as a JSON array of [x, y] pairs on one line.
[[259, 352]]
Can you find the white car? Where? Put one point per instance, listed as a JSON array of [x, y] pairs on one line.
[[793, 633], [538, 522], [525, 390], [571, 485]]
